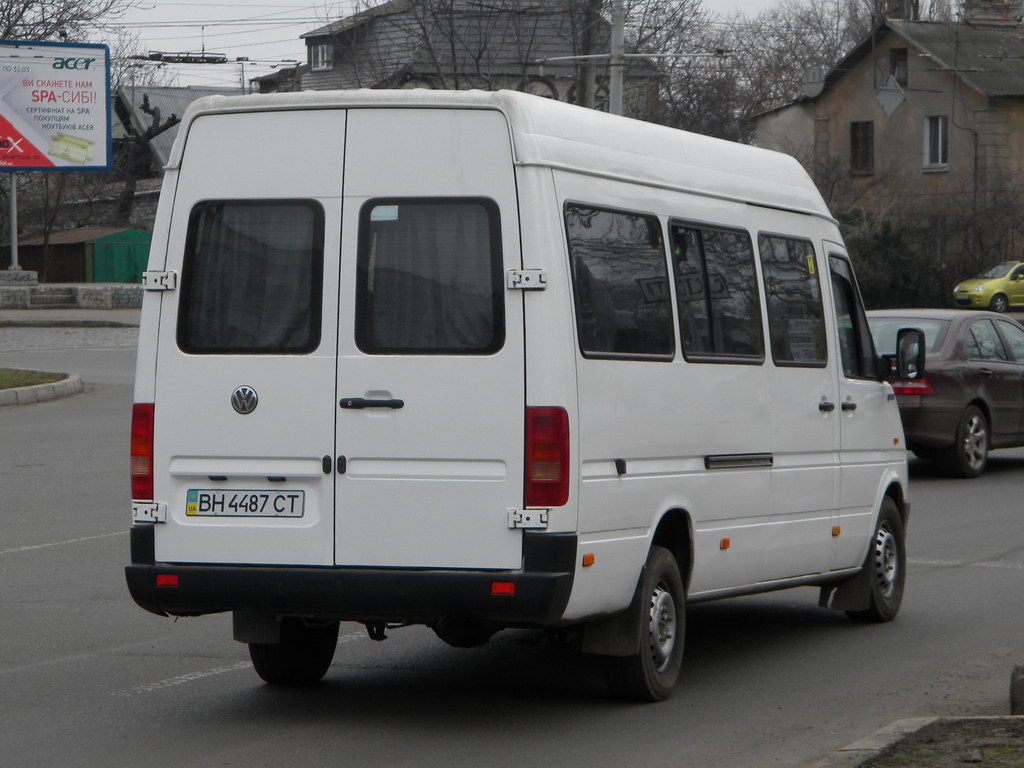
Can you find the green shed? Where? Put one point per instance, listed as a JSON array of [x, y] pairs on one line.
[[87, 255], [119, 257]]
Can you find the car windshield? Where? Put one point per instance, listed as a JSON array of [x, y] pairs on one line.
[[999, 270], [884, 330]]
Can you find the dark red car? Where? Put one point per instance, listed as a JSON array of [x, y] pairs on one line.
[[971, 398]]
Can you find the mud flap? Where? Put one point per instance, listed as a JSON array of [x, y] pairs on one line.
[[854, 594], [616, 635]]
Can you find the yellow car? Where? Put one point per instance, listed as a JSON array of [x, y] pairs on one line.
[[998, 288]]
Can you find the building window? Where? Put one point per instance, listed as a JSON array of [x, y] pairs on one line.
[[321, 56], [936, 142], [898, 65], [862, 147]]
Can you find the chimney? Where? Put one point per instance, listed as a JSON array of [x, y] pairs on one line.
[[992, 13]]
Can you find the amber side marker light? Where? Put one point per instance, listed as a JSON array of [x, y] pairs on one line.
[[836, 530], [503, 587], [588, 559], [725, 543]]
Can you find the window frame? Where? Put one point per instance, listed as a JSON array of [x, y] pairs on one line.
[[315, 305], [898, 56], [666, 357], [862, 147], [498, 326], [936, 137], [715, 357], [321, 57]]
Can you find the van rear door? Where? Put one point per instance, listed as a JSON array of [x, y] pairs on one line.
[[245, 391], [430, 414]]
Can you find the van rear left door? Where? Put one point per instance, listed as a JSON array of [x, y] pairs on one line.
[[245, 368]]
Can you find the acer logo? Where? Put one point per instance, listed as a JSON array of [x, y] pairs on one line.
[[72, 63]]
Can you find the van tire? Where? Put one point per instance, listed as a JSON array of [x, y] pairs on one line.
[[651, 674], [301, 657], [886, 562], [968, 455]]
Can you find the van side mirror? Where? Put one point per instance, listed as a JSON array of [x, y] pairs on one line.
[[908, 362]]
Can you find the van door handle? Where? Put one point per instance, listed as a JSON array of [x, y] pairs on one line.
[[848, 406], [362, 402], [826, 407]]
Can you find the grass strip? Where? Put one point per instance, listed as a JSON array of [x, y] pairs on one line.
[[16, 377]]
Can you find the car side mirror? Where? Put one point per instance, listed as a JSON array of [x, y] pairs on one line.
[[908, 362]]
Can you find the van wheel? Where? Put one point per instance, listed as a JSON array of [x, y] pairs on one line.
[[969, 453], [651, 674], [999, 303], [302, 657], [886, 561]]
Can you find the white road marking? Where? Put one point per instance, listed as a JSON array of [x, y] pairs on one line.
[[1005, 564], [29, 547], [192, 677]]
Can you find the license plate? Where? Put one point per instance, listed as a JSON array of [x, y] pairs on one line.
[[239, 503]]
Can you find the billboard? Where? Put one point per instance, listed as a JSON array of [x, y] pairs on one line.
[[54, 106]]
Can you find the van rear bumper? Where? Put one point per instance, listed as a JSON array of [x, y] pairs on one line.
[[541, 589]]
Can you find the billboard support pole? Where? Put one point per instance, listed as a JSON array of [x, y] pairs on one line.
[[14, 223]]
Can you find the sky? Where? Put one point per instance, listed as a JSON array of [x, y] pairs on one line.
[[265, 32]]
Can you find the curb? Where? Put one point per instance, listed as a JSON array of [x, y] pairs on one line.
[[65, 324], [40, 393], [854, 754], [859, 752]]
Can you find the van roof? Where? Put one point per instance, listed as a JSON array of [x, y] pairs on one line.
[[559, 135]]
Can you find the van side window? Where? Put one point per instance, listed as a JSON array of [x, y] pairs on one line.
[[252, 278], [716, 287], [429, 278], [795, 316], [856, 347], [620, 281]]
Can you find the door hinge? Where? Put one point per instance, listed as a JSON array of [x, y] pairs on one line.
[[528, 518], [159, 281], [527, 279], [148, 512]]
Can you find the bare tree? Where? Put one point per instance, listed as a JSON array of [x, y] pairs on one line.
[[136, 159], [56, 19]]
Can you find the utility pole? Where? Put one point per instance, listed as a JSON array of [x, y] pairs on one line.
[[617, 60]]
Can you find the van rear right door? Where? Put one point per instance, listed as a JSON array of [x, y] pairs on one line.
[[431, 406]]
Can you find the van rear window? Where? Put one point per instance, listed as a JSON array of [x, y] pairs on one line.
[[430, 278], [252, 278]]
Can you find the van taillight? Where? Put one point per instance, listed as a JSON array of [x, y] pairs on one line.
[[142, 452], [920, 387], [547, 457]]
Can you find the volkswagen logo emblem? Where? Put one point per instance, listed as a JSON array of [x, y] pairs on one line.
[[244, 400]]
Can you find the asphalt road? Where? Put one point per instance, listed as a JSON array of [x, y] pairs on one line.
[[89, 679]]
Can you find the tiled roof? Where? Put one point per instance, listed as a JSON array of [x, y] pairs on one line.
[[989, 59]]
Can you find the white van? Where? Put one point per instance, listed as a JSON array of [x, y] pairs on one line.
[[484, 360]]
